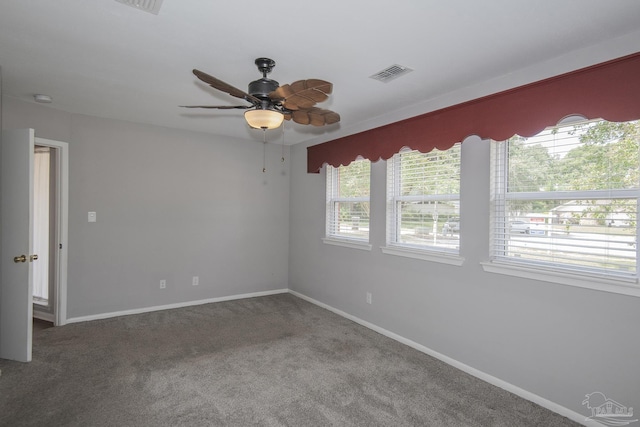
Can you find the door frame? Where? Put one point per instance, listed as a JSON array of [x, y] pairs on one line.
[[62, 223]]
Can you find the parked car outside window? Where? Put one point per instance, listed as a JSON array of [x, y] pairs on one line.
[[451, 226], [521, 227]]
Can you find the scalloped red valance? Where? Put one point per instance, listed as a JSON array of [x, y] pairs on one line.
[[610, 90]]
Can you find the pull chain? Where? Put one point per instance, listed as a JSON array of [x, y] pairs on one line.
[[264, 150], [283, 142]]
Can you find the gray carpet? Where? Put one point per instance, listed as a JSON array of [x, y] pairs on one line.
[[272, 361]]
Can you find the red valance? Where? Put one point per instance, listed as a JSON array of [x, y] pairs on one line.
[[610, 91]]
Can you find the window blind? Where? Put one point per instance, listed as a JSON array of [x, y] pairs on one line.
[[348, 208], [423, 199], [568, 198]]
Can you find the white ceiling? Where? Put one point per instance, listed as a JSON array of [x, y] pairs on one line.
[[106, 59]]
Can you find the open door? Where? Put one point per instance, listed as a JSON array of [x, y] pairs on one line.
[[16, 288]]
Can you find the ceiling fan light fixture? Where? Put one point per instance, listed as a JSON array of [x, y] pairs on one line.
[[264, 118]]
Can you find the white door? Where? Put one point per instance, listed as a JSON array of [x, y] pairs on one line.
[[16, 288]]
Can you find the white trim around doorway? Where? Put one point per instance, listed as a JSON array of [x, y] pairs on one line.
[[62, 190]]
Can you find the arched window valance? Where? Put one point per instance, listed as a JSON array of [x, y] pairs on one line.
[[610, 91]]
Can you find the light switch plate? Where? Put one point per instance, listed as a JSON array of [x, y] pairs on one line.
[[92, 217]]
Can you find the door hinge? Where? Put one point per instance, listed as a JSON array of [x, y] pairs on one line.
[[60, 246]]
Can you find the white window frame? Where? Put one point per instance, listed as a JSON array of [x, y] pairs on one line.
[[333, 237], [572, 276], [394, 246]]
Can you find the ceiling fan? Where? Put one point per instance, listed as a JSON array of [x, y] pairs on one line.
[[272, 103]]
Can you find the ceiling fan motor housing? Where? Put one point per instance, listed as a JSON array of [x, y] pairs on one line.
[[262, 88]]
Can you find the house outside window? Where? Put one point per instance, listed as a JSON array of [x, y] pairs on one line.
[[347, 202], [423, 201], [566, 200]]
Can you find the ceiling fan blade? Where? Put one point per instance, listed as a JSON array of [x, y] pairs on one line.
[[300, 116], [330, 117], [225, 87], [302, 93], [219, 107], [314, 116]]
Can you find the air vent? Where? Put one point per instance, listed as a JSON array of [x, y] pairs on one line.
[[151, 6], [390, 73]]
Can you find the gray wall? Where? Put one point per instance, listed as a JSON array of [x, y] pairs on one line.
[[555, 341], [1, 127], [170, 205]]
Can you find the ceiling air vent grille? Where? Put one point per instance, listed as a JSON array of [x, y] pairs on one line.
[[151, 6], [390, 73]]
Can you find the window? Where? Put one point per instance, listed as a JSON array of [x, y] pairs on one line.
[[348, 209], [423, 201], [567, 200]]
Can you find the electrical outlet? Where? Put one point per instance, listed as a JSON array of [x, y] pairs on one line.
[[368, 297], [195, 281], [163, 284]]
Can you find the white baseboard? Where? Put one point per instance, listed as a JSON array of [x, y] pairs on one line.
[[42, 315], [172, 306], [565, 412]]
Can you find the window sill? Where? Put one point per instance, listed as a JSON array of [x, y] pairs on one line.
[[441, 257], [605, 284], [353, 244]]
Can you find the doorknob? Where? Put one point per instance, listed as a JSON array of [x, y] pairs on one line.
[[33, 257], [21, 258]]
